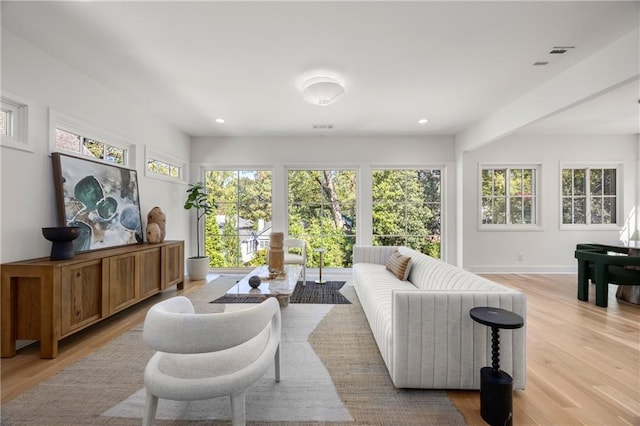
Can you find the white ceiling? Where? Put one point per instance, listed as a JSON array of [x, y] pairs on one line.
[[451, 62]]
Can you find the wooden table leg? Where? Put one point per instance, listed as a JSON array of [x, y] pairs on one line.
[[8, 328]]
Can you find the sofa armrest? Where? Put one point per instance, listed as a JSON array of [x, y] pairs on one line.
[[372, 254], [437, 345]]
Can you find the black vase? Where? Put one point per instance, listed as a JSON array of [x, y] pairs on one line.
[[62, 241]]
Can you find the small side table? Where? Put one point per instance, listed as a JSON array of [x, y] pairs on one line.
[[496, 386], [320, 251]]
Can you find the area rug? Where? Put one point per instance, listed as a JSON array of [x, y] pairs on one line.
[[313, 293], [337, 373]]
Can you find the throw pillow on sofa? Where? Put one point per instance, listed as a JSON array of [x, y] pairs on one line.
[[399, 265]]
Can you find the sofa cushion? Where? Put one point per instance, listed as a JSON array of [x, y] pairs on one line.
[[428, 273], [399, 265]]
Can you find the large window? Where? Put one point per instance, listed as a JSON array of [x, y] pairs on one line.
[[589, 196], [238, 234], [509, 197], [407, 209], [322, 211]]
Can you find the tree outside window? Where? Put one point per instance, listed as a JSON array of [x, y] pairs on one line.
[[322, 211], [407, 209]]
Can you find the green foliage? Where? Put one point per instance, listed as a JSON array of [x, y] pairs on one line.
[[197, 198]]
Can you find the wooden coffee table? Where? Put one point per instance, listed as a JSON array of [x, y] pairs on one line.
[[281, 288]]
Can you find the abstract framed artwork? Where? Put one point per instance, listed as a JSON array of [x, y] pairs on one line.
[[102, 199]]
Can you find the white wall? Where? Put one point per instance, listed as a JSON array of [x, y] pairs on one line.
[[26, 179], [362, 153], [550, 249]]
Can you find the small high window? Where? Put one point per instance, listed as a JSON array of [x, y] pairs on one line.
[[13, 124], [88, 147], [163, 166]]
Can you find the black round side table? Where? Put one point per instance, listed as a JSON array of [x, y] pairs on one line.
[[496, 386]]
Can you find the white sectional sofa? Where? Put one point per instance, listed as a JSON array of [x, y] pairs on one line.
[[422, 325]]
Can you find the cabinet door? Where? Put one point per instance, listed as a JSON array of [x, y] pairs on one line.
[[173, 264], [124, 287], [150, 272], [81, 298]]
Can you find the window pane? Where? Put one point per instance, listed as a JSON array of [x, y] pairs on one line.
[[567, 182], [609, 210], [579, 181], [500, 211], [417, 218], [515, 182], [596, 181], [487, 210], [389, 219], [567, 210], [4, 122], [528, 210], [528, 182], [515, 213], [596, 210], [389, 185], [580, 210], [304, 186], [114, 155], [500, 182], [487, 182], [93, 148], [67, 141], [609, 181], [432, 183]]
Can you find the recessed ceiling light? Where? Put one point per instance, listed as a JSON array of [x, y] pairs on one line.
[[220, 120], [423, 121]]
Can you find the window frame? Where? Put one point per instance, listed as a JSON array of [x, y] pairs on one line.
[[152, 154], [18, 123], [67, 123], [619, 167], [536, 197]]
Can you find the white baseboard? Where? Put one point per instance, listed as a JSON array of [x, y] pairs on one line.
[[521, 269]]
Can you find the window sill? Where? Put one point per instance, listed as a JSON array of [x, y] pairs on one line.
[[510, 228]]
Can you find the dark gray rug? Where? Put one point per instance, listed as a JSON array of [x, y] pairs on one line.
[[327, 293]]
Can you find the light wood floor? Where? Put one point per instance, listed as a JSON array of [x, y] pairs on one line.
[[583, 362]]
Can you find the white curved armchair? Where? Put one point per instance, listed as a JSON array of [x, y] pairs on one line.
[[295, 258], [204, 356]]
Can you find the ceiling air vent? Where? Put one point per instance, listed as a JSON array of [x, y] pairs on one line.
[[323, 126], [559, 50], [540, 63]]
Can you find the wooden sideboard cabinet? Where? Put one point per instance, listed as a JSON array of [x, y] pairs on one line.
[[48, 300]]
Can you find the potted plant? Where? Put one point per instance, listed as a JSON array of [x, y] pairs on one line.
[[198, 266]]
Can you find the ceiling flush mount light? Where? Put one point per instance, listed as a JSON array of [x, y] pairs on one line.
[[321, 87]]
